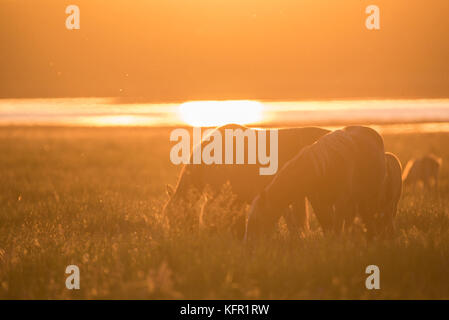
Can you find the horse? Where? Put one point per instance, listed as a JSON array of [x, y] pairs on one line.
[[342, 173], [244, 179], [422, 170]]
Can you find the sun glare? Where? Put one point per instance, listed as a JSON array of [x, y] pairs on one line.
[[217, 113]]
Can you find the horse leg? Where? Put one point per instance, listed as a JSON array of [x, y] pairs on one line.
[[239, 222], [350, 218], [296, 217], [368, 217], [391, 214], [435, 181], [427, 184], [344, 216], [325, 215]]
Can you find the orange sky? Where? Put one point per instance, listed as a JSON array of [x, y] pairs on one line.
[[176, 50]]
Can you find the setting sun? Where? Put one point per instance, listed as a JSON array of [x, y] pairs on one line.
[[216, 113]]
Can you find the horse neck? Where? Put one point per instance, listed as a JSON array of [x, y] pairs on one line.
[[191, 176], [290, 183]]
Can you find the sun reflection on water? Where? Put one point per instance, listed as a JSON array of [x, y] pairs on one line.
[[216, 113]]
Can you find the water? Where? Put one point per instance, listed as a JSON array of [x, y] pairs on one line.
[[392, 115]]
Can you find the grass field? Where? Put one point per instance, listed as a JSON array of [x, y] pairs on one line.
[[92, 197]]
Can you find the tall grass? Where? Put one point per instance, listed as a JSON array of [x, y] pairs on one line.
[[93, 197]]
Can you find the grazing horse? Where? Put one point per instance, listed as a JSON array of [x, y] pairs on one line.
[[341, 174], [392, 192], [424, 169], [244, 179]]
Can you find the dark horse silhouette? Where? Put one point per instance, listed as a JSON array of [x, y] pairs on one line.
[[424, 169], [244, 179], [342, 174]]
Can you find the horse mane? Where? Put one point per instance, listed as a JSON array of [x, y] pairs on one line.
[[437, 160]]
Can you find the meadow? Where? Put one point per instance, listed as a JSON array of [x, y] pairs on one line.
[[92, 197]]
